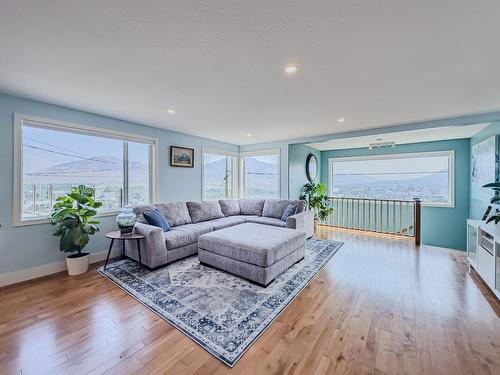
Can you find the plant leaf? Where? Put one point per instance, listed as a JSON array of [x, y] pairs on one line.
[[492, 185]]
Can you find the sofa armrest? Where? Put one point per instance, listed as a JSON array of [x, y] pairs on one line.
[[154, 239], [303, 221]]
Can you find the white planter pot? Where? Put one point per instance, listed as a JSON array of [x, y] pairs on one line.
[[77, 266]]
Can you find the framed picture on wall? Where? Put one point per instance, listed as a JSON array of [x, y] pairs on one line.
[[484, 168], [181, 157]]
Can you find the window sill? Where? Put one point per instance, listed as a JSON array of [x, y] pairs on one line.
[[438, 205]]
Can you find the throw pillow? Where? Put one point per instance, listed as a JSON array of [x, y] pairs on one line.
[[156, 219], [289, 211]]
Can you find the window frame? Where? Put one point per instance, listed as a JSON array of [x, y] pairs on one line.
[[242, 155], [450, 154], [235, 170], [68, 127]]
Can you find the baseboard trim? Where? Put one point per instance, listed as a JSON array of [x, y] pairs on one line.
[[48, 269]]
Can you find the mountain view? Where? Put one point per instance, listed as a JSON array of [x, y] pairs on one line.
[[261, 178], [92, 170], [431, 188], [400, 177]]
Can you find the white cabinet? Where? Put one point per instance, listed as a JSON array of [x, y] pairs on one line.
[[497, 267], [483, 252], [486, 267], [472, 244]]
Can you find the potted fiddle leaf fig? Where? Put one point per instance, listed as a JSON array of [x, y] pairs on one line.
[[316, 198], [73, 217]]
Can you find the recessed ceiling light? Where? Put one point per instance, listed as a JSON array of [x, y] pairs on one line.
[[341, 119], [170, 111], [291, 69], [249, 134]]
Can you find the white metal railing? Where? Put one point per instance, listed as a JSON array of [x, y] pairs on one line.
[[38, 199], [388, 216]]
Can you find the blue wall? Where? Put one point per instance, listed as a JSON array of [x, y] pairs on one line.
[[441, 226], [477, 208], [29, 246], [297, 178]]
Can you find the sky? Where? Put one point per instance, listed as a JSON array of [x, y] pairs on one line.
[[272, 159], [386, 169], [44, 148], [57, 147]]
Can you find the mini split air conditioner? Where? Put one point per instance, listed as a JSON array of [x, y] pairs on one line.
[[381, 145]]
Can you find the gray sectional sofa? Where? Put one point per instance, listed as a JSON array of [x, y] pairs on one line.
[[190, 220]]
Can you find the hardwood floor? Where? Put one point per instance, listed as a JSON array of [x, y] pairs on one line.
[[379, 306]]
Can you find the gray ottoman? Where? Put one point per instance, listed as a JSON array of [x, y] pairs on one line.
[[255, 252]]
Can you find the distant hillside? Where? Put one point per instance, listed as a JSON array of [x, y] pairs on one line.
[[436, 179], [258, 171], [92, 170], [253, 165], [350, 180]]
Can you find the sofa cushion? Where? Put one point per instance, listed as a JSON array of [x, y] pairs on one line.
[[198, 228], [139, 211], [229, 207], [301, 205], [176, 238], [276, 207], [226, 222], [186, 234], [175, 212], [267, 221], [251, 206], [203, 211], [155, 218], [244, 217]]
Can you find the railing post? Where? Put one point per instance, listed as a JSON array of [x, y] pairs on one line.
[[34, 199], [51, 198], [418, 206]]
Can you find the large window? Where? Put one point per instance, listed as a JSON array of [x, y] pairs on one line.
[[261, 174], [52, 157], [219, 174], [427, 176]]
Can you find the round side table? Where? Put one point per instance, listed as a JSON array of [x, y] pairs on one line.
[[116, 235]]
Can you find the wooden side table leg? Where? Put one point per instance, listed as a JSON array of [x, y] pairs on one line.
[[109, 252], [139, 251]]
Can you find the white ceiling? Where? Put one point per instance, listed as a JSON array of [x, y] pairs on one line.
[[220, 63], [403, 137]]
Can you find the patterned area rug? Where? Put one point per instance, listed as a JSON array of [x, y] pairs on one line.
[[221, 312]]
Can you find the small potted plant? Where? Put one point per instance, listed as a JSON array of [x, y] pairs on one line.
[[73, 216], [317, 200]]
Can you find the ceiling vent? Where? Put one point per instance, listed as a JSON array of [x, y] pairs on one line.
[[381, 145]]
